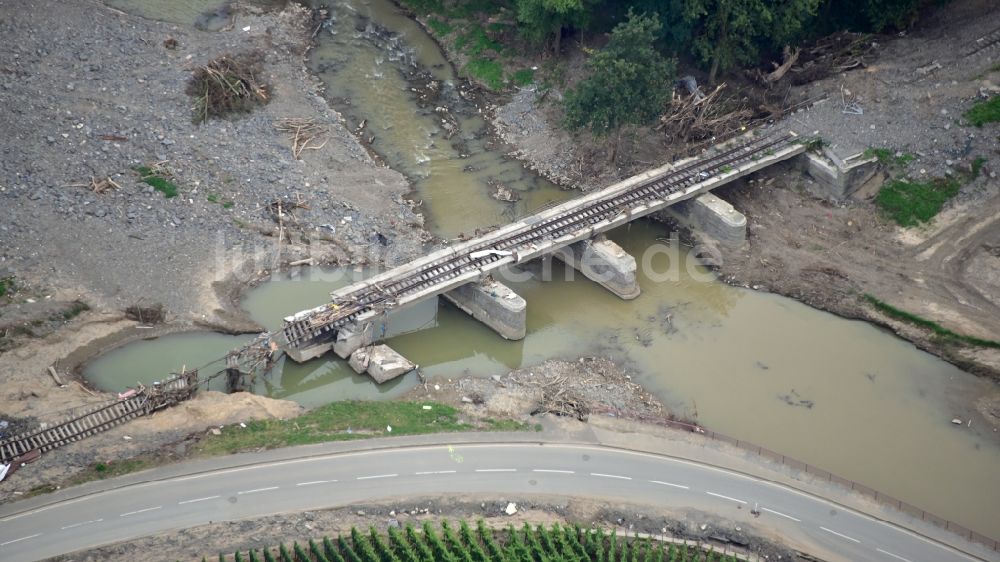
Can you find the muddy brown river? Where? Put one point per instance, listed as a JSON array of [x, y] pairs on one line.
[[841, 395]]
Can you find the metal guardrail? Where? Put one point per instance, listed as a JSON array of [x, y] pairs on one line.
[[879, 497]]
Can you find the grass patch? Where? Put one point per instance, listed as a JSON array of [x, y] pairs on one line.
[[938, 329], [75, 309], [487, 70], [475, 42], [523, 77], [342, 421], [910, 202], [424, 6], [158, 179], [977, 167], [7, 286], [890, 157], [213, 198], [984, 112], [439, 27]]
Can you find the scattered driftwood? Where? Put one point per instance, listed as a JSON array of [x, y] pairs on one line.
[[55, 376], [696, 117], [835, 53], [146, 315], [556, 399], [226, 85], [304, 133], [789, 59], [98, 187], [281, 209]]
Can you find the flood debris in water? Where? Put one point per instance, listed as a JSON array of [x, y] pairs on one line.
[[794, 399]]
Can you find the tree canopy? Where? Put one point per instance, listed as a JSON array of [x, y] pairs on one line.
[[547, 18], [730, 32], [629, 83]]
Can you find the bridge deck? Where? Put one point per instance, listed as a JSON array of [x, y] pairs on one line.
[[537, 235]]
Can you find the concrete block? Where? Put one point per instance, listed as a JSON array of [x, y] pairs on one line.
[[493, 304], [605, 263], [835, 178], [381, 362], [712, 217]]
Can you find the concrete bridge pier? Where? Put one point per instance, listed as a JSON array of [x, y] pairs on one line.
[[493, 304], [712, 218], [605, 263]]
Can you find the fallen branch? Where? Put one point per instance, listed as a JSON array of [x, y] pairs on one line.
[[304, 133]]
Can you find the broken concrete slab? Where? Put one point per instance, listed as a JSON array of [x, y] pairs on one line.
[[381, 362]]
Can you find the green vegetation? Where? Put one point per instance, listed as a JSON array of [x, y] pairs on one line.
[[889, 157], [7, 286], [629, 82], [522, 77], [475, 42], [984, 112], [977, 167], [339, 421], [482, 544], [911, 202], [487, 70], [545, 20], [75, 310], [938, 330], [439, 27], [213, 198], [157, 178], [730, 32]]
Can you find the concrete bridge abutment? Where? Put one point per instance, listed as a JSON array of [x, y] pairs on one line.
[[493, 304], [604, 262]]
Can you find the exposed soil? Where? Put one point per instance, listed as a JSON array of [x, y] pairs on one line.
[[91, 93], [228, 537], [912, 92]]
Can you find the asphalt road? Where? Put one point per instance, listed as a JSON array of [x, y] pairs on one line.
[[517, 469]]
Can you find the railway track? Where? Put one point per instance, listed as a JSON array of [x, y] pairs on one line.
[[99, 418], [93, 421], [366, 297], [985, 44]]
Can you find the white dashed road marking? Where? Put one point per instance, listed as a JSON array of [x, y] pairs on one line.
[[671, 484], [377, 476], [20, 539], [496, 470], [898, 557], [314, 482], [832, 532], [600, 475], [552, 471], [780, 514], [81, 524], [726, 497], [196, 500], [140, 511], [255, 490], [435, 472]]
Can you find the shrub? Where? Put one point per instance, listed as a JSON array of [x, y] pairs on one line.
[[910, 203]]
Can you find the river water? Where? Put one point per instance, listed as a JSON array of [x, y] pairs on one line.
[[838, 394]]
